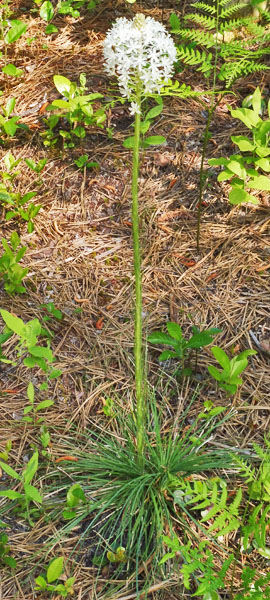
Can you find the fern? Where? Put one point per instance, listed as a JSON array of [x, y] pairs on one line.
[[207, 22], [256, 527], [212, 495], [199, 37], [244, 469], [237, 58], [235, 70], [232, 10], [206, 7]]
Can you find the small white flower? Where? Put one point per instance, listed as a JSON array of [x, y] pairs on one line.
[[139, 51], [134, 109]]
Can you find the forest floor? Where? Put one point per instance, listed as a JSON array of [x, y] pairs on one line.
[[80, 258]]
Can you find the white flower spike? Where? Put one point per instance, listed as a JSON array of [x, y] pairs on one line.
[[139, 52]]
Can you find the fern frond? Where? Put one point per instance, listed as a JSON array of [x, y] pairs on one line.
[[199, 37], [231, 10], [191, 56], [260, 452], [245, 470], [257, 525], [233, 24], [211, 10], [265, 15], [225, 2], [232, 71], [204, 21]]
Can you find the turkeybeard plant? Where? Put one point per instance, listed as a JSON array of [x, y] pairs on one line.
[[141, 54]]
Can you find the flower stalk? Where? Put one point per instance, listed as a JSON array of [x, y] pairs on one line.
[[138, 347]]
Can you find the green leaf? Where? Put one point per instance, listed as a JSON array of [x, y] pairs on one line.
[[55, 569], [46, 11], [238, 366], [11, 126], [263, 163], [10, 105], [14, 323], [10, 471], [51, 29], [247, 116], [144, 126], [44, 404], [62, 84], [215, 373], [42, 352], [166, 354], [238, 196], [174, 331], [260, 183], [218, 161], [17, 29], [225, 175], [243, 143], [32, 493], [29, 361], [154, 112], [129, 142], [55, 373], [41, 583], [11, 494], [68, 514], [31, 392], [10, 561], [235, 165], [158, 337], [12, 71], [31, 469], [79, 132], [75, 495], [221, 357], [199, 340], [154, 140], [257, 101], [174, 22]]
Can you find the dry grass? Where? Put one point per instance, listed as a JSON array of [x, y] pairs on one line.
[[80, 257]]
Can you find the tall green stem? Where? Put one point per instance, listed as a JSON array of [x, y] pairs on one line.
[[138, 350], [213, 107]]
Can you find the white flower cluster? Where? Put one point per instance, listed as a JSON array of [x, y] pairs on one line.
[[139, 50]]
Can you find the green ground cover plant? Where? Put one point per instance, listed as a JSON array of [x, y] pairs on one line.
[[246, 170], [10, 269]]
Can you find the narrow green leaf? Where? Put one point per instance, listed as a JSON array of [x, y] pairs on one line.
[[10, 471], [11, 494], [44, 404], [154, 140], [31, 468], [221, 357], [31, 392], [14, 323]]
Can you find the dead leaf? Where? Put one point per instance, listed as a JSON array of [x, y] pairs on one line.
[[100, 323]]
